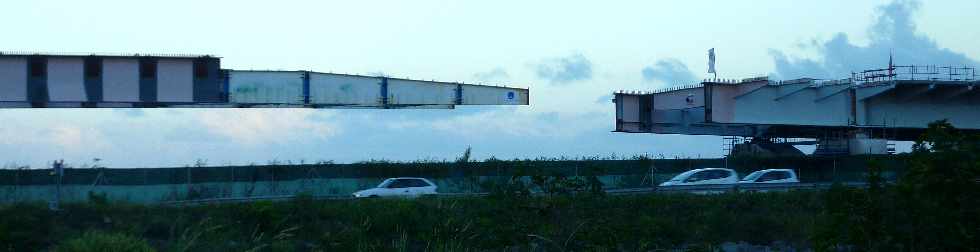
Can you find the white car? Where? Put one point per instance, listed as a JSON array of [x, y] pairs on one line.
[[704, 176], [399, 187], [771, 176]]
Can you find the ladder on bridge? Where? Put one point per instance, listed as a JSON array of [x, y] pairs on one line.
[[833, 144], [731, 143]]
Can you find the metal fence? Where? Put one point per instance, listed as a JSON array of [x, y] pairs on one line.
[[151, 185]]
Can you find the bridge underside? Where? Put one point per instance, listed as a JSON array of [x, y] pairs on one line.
[[774, 131]]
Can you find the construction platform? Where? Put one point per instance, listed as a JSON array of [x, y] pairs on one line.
[[857, 115]]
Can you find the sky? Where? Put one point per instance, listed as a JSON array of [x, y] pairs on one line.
[[571, 54]]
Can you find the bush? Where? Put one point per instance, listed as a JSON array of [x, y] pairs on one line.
[[934, 207], [23, 226], [507, 221], [94, 241]]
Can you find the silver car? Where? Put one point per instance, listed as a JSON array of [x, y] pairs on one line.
[[770, 176], [399, 187]]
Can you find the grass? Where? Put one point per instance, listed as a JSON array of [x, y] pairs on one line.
[[558, 223], [508, 220], [99, 241]]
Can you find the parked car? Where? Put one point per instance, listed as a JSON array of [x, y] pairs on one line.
[[704, 176], [771, 176], [399, 187]]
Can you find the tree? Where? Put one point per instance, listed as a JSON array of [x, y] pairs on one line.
[[941, 191], [934, 206], [466, 156]]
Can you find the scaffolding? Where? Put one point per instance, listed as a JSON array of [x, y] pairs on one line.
[[916, 72]]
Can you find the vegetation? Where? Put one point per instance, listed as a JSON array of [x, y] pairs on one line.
[[97, 241], [581, 222], [933, 207]]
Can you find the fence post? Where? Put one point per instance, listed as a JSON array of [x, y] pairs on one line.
[[17, 183], [188, 183], [58, 171], [835, 170], [231, 191]]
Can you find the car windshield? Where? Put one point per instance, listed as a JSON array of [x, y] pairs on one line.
[[681, 176], [687, 174], [753, 176], [385, 183]]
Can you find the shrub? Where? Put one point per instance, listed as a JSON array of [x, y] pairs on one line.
[[93, 241], [22, 226], [934, 207]]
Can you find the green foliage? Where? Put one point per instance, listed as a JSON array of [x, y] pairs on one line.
[[98, 199], [934, 207], [572, 222], [94, 241], [942, 191], [24, 227], [557, 184], [510, 188], [192, 237], [811, 169], [465, 158]]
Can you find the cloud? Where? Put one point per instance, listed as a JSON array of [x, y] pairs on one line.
[[264, 126], [67, 135], [131, 112], [378, 74], [564, 70], [604, 99], [497, 74], [509, 123], [475, 123], [893, 31], [670, 71]]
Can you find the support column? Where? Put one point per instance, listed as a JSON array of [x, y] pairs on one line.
[[93, 81], [306, 88], [37, 81], [148, 82], [225, 85], [459, 94], [384, 92]]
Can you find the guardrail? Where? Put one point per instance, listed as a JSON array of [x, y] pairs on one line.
[[630, 191], [732, 188], [248, 199]]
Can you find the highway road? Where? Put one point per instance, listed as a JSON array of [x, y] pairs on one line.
[[697, 189]]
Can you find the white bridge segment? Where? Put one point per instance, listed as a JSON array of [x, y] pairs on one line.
[[175, 80], [285, 89], [265, 87], [491, 95], [197, 81], [790, 104], [13, 79], [66, 80], [960, 104], [120, 80], [420, 92], [800, 108], [343, 89]]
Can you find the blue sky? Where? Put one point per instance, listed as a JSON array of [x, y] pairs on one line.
[[572, 54]]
